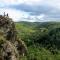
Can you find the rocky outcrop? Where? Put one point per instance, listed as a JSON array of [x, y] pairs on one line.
[[11, 47], [9, 52]]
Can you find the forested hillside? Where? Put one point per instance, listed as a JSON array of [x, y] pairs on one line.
[[42, 39]]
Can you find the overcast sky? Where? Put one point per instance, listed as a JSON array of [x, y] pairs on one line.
[[31, 10]]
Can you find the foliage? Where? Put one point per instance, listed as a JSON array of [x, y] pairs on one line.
[[42, 40]]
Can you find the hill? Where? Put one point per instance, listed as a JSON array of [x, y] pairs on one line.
[[42, 39]]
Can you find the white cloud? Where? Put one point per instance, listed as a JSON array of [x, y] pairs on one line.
[[30, 18], [33, 2], [20, 15], [11, 2], [54, 3], [41, 16], [15, 2], [16, 15]]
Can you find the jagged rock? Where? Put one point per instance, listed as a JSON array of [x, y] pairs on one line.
[[10, 45], [21, 47], [8, 51]]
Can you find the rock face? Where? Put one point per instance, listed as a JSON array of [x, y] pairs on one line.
[[9, 52], [11, 47]]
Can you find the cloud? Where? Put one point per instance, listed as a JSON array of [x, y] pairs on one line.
[[16, 15], [34, 18], [11, 2], [54, 3], [31, 10], [38, 10], [16, 2]]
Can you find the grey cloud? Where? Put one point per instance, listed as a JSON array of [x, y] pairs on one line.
[[49, 11]]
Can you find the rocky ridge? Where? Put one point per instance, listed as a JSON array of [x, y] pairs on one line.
[[11, 47]]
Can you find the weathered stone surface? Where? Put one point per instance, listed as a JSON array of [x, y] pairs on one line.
[[9, 52], [10, 45]]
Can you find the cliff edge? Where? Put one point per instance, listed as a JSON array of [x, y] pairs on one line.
[[11, 47]]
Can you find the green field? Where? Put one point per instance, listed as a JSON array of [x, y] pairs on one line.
[[41, 39]]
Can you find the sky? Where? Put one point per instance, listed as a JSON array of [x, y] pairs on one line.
[[31, 10]]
